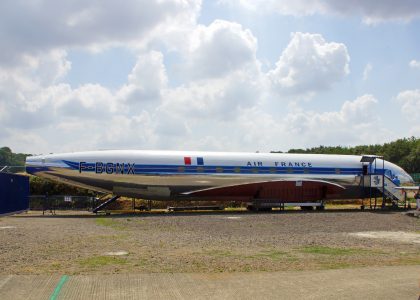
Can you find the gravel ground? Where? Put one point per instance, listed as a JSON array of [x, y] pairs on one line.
[[81, 243]]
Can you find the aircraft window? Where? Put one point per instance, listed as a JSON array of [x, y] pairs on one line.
[[289, 170], [200, 169], [273, 170], [181, 169], [219, 169], [337, 171], [237, 170], [305, 170], [254, 170]]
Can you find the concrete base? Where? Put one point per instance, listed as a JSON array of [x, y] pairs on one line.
[[400, 282]]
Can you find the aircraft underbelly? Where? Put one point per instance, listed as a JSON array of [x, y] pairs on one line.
[[169, 186]]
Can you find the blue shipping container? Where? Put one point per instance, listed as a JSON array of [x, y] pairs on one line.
[[14, 193]]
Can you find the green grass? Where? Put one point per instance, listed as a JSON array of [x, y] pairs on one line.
[[99, 261], [336, 265], [110, 222], [271, 254], [331, 251], [141, 262], [268, 254], [219, 253]]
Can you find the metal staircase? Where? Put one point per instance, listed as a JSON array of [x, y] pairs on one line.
[[105, 204], [391, 192], [388, 189]]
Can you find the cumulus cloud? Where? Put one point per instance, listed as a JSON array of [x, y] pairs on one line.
[[220, 107], [366, 71], [354, 123], [146, 81], [371, 11], [414, 64], [31, 28], [215, 99], [220, 48], [222, 100], [309, 64], [410, 104]]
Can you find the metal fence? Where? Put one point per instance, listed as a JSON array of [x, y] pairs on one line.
[[61, 202]]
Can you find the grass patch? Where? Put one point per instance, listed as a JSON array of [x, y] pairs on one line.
[[56, 265], [331, 251], [219, 253], [409, 260], [110, 222], [141, 262], [99, 261], [336, 265], [271, 254]]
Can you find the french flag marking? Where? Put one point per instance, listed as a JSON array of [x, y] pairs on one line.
[[187, 161]]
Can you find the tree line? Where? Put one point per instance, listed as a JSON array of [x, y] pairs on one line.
[[402, 152]]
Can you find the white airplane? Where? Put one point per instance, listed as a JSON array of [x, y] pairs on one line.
[[247, 177]]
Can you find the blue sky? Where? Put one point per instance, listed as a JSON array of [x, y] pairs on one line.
[[207, 75]]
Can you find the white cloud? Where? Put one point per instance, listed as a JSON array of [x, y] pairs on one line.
[[354, 123], [371, 11], [309, 64], [215, 99], [414, 64], [225, 106], [410, 105], [368, 68], [220, 48], [91, 101], [31, 28], [146, 80], [220, 99]]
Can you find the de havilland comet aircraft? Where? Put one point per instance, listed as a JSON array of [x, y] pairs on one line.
[[247, 177]]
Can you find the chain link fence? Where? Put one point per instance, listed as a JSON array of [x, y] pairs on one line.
[[61, 202]]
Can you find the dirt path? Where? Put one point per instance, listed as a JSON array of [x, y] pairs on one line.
[[206, 242]]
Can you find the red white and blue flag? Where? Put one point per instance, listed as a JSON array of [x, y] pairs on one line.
[[188, 161]]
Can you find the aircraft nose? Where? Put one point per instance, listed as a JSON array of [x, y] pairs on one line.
[[406, 178], [410, 179]]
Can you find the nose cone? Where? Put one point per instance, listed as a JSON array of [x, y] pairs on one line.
[[410, 179], [405, 178]]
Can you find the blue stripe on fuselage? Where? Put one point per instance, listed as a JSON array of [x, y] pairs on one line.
[[182, 169]]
